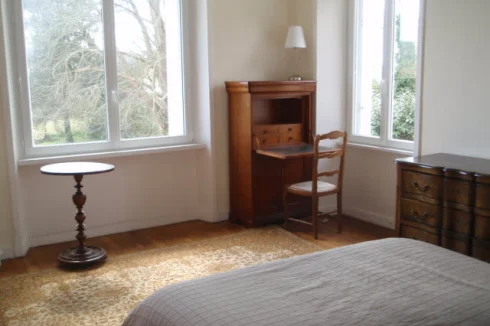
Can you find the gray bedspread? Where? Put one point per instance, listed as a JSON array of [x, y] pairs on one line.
[[383, 282]]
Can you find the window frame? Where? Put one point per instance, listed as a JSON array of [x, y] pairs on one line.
[[386, 122], [114, 143]]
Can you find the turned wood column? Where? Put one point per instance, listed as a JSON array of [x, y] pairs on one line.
[[79, 200], [82, 255]]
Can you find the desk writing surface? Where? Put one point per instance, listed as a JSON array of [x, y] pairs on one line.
[[293, 151]]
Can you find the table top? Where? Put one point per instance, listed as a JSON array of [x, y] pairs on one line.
[[73, 168], [293, 151]]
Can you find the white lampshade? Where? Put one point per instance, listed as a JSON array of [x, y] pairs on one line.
[[295, 38]]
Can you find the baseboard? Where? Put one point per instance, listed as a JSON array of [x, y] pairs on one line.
[[327, 208], [223, 216], [356, 213], [373, 218], [99, 230], [22, 246], [6, 253], [363, 215]]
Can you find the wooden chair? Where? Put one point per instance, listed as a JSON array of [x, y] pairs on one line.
[[317, 188]]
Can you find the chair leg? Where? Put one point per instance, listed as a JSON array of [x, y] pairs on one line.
[[314, 217], [339, 212], [285, 204]]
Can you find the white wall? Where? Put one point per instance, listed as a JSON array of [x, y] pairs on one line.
[[261, 26], [331, 65], [370, 186], [456, 110], [5, 209], [246, 42], [304, 14], [143, 191], [7, 238], [370, 175], [455, 106]]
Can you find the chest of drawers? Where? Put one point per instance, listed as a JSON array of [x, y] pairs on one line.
[[444, 199]]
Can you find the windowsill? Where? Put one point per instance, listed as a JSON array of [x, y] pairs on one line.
[[102, 155], [382, 149]]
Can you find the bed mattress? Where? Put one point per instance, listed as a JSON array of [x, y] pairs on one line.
[[383, 282]]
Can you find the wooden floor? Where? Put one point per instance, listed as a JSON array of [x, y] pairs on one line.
[[123, 243]]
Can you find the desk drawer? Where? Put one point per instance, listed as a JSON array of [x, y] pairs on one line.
[[482, 196], [457, 221], [481, 250], [422, 184], [294, 128], [457, 191], [266, 140], [265, 129], [482, 227], [290, 133], [456, 243], [419, 234], [414, 210], [289, 138]]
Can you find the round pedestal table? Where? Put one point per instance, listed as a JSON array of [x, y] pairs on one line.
[[82, 255]]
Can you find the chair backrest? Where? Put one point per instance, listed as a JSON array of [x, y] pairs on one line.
[[336, 152]]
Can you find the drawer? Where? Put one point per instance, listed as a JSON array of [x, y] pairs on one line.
[[455, 243], [266, 140], [482, 196], [457, 221], [418, 234], [265, 129], [457, 191], [289, 138], [482, 227], [481, 250], [421, 212], [295, 128], [422, 184]]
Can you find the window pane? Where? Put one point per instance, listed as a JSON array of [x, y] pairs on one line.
[[369, 67], [405, 69], [65, 55], [149, 66]]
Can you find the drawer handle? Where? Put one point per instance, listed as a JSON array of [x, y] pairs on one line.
[[424, 189], [290, 129], [264, 140], [457, 191], [290, 138], [418, 217], [265, 131]]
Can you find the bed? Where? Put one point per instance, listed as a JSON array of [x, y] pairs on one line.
[[382, 282]]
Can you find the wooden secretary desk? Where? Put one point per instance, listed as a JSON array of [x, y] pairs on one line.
[[271, 128]]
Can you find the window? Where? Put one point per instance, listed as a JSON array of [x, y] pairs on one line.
[[101, 75], [385, 72]]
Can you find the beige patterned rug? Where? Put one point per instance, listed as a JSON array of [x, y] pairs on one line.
[[105, 296]]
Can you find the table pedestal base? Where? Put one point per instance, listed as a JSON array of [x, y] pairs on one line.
[[71, 257]]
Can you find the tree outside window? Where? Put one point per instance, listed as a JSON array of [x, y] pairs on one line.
[[404, 91], [385, 72], [66, 54]]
